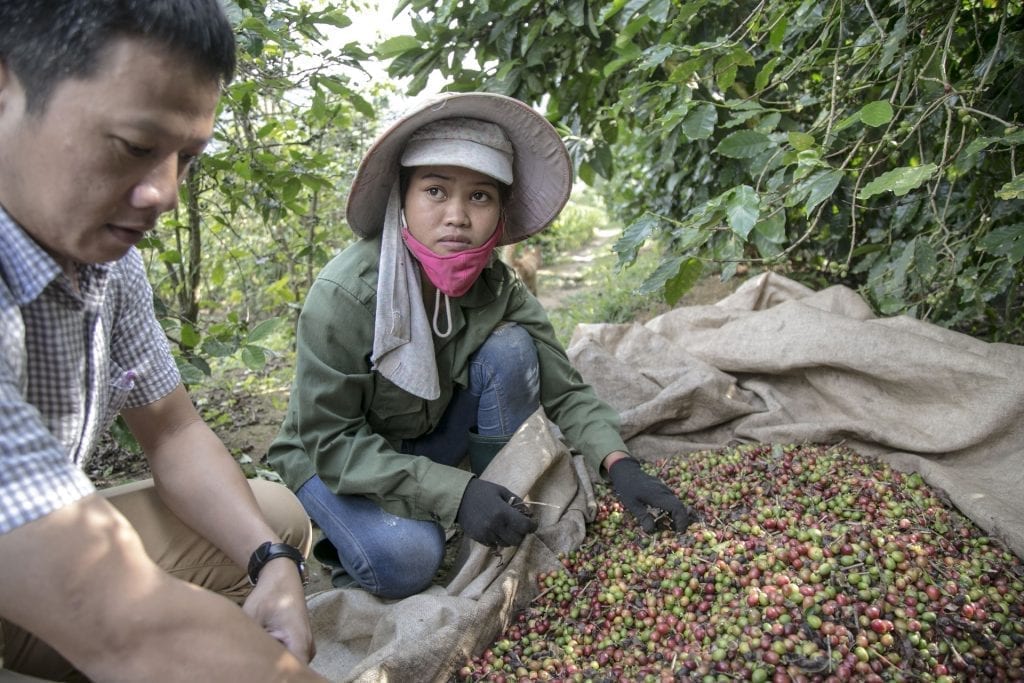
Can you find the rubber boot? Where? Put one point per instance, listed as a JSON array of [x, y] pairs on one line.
[[482, 449], [325, 552]]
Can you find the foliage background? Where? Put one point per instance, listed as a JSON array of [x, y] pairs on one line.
[[263, 210], [871, 143]]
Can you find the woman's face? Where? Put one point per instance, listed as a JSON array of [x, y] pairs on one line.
[[450, 209]]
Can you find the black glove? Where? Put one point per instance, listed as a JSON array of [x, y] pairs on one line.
[[637, 490], [487, 515]]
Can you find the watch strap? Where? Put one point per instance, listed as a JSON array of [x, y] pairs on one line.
[[269, 551]]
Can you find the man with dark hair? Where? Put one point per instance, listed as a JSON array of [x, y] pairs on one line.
[[103, 106]]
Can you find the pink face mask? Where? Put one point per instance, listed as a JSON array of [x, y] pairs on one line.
[[456, 273]]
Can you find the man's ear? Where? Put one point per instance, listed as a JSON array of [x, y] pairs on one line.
[[5, 82], [11, 94]]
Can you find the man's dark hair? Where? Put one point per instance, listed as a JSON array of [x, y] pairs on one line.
[[45, 42]]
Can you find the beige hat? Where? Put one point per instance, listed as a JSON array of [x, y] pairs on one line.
[[541, 171]]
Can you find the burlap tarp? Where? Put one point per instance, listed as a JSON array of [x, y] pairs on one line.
[[773, 363], [428, 636]]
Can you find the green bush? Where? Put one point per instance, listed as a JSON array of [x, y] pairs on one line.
[[877, 144], [573, 228]]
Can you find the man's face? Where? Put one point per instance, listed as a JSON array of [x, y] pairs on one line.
[[88, 177]]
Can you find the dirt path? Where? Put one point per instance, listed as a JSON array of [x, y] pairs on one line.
[[559, 281]]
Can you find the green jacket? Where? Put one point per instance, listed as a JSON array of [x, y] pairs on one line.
[[346, 423]]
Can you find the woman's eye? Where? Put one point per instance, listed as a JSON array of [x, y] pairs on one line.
[[435, 192], [481, 196]]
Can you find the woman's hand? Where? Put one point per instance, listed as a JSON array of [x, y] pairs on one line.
[[639, 491], [488, 516]]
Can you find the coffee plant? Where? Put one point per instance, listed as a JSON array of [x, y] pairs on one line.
[[809, 563], [875, 144]]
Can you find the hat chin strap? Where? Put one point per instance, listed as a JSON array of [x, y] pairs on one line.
[[448, 313]]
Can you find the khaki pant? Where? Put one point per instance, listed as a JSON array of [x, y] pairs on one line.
[[175, 548]]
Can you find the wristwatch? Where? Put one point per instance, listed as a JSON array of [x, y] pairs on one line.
[[269, 551]]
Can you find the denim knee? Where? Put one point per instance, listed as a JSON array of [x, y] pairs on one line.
[[399, 570], [509, 348], [505, 373], [387, 555]]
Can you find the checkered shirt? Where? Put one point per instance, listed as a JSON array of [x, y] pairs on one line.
[[69, 362]]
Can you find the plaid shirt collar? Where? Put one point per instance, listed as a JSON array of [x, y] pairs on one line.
[[28, 269]]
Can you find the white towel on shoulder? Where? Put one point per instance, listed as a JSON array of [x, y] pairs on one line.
[[403, 346]]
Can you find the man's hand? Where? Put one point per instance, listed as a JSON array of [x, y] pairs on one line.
[[638, 490], [131, 620], [278, 604], [487, 515]]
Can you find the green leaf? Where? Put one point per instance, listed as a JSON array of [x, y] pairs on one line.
[[968, 158], [614, 65], [337, 18], [656, 56], [743, 144], [216, 348], [392, 47], [742, 210], [876, 113], [628, 53], [254, 357], [601, 160], [1005, 241], [700, 121], [190, 374], [218, 275], [726, 76], [666, 270], [610, 10], [685, 70], [170, 256], [800, 141], [634, 236], [821, 186], [586, 173], [1013, 189], [777, 34], [772, 227], [899, 181], [847, 122], [189, 336], [263, 330], [765, 74], [291, 189], [576, 11], [689, 273]]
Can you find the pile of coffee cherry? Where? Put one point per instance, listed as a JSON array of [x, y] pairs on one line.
[[808, 563]]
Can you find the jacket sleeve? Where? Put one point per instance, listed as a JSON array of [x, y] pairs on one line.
[[331, 397]]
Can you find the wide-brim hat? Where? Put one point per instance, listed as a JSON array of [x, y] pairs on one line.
[[542, 171]]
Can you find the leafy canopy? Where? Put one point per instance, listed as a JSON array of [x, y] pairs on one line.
[[875, 144]]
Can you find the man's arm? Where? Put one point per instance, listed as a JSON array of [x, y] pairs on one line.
[[200, 482], [80, 580]]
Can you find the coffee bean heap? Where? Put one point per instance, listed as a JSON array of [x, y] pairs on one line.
[[809, 563]]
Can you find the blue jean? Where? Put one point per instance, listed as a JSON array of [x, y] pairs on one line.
[[395, 557]]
